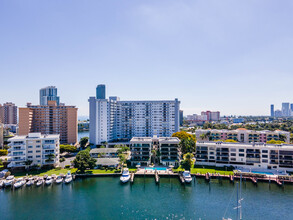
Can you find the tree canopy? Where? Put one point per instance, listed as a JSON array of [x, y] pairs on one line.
[[84, 161], [187, 141], [67, 148], [188, 161], [83, 141]]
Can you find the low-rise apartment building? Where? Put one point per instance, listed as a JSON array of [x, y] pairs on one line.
[[168, 148], [40, 149], [242, 135], [249, 155]]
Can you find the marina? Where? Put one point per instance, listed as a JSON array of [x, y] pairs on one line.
[[96, 198]]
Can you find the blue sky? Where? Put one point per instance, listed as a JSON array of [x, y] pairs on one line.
[[232, 56]]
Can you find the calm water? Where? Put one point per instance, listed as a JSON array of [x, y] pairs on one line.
[[106, 198], [82, 134]]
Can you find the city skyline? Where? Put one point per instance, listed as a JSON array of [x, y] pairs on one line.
[[220, 56]]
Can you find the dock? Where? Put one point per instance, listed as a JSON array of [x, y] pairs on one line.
[[157, 178], [131, 177], [181, 178]]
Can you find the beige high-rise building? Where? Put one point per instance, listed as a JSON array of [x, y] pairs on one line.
[[8, 113], [50, 119], [1, 135]]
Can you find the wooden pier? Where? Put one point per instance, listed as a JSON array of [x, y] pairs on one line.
[[157, 178], [131, 177], [181, 178]]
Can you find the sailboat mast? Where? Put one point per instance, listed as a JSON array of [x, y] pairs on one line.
[[240, 206], [237, 207]]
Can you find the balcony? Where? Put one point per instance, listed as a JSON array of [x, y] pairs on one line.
[[48, 153], [16, 149], [49, 147], [17, 159]]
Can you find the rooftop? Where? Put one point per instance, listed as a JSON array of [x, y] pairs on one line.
[[34, 136], [237, 145], [103, 150], [107, 161]]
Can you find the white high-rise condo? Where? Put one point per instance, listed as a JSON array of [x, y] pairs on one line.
[[113, 120]]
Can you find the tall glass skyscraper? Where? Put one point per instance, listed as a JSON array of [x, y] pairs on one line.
[[101, 92], [49, 94], [272, 111]]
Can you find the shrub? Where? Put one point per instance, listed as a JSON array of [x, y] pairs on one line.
[[62, 159], [67, 148], [67, 166], [3, 152]]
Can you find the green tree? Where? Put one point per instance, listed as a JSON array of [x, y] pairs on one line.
[[84, 161], [50, 158], [3, 152], [188, 161], [83, 142], [187, 141], [68, 148]]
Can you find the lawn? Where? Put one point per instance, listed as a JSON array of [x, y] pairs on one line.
[[204, 171], [207, 169], [42, 172], [99, 171]]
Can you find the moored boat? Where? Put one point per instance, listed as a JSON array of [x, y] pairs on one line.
[[68, 178], [30, 182], [40, 182], [58, 180], [125, 176], [187, 177], [1, 183], [49, 180], [9, 181], [19, 183]]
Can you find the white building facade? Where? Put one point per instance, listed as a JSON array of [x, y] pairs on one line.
[[40, 149], [251, 156], [243, 135], [114, 120]]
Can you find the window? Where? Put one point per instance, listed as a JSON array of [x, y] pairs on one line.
[[264, 161], [233, 159], [30, 151], [38, 151], [233, 154], [38, 146], [241, 150], [241, 155], [265, 151], [30, 146], [38, 156], [264, 156], [30, 157], [233, 149]]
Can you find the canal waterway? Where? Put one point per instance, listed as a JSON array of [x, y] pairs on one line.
[[107, 198]]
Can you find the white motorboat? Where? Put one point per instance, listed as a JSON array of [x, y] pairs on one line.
[[49, 180], [68, 178], [30, 182], [9, 181], [1, 183], [59, 179], [125, 176], [19, 183], [187, 177], [40, 182]]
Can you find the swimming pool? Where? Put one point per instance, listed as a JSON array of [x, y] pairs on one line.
[[156, 168], [265, 173]]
